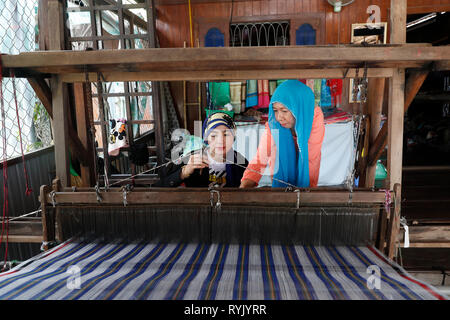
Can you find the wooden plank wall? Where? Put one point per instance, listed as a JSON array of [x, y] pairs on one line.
[[173, 24]]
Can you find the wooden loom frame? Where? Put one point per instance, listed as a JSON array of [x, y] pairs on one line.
[[201, 64]]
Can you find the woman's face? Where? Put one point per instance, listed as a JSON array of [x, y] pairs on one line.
[[220, 141], [283, 115]]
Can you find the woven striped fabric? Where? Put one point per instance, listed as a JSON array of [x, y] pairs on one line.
[[80, 269]]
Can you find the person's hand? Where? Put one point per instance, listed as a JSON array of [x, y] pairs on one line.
[[196, 161], [247, 183]]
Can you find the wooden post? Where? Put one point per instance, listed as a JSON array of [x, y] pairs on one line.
[[61, 131], [396, 122], [48, 225], [396, 97], [59, 105], [57, 187], [394, 223], [375, 106], [87, 170]]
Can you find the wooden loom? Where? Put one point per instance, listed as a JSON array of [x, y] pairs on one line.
[[201, 64]]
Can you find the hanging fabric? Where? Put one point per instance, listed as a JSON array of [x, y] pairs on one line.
[[310, 84], [220, 93], [235, 95], [272, 87], [325, 95], [252, 93], [317, 91], [117, 137], [263, 94], [336, 91]]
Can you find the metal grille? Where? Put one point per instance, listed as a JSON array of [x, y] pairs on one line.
[[18, 33], [259, 34]]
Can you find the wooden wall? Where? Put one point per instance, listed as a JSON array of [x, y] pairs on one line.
[[173, 20]]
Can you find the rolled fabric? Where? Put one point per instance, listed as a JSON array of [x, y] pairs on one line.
[[272, 87], [317, 91], [243, 95], [310, 84], [263, 94], [235, 94]]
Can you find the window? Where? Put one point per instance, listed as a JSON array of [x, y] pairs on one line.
[[260, 34]]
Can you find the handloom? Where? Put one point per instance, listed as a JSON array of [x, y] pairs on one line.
[[267, 243]]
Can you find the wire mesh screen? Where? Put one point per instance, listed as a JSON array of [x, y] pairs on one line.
[[18, 33]]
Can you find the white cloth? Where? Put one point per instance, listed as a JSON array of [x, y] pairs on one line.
[[338, 152], [217, 172]]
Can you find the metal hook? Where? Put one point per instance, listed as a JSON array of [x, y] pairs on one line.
[[218, 203], [125, 192], [298, 197], [52, 195], [97, 192], [126, 189]]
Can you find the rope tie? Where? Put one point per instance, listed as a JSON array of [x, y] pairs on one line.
[[28, 189]]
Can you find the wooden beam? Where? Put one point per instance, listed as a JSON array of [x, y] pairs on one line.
[[226, 59], [61, 131], [412, 87], [375, 105], [82, 117], [228, 197], [228, 75], [43, 92], [396, 96], [395, 128], [25, 239]]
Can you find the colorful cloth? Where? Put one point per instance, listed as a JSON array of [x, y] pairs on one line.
[[272, 87], [252, 93], [325, 95], [317, 91], [220, 93], [117, 136], [336, 91], [310, 84], [263, 94], [235, 94], [94, 270]]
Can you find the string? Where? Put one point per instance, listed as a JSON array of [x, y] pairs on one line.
[[28, 190]]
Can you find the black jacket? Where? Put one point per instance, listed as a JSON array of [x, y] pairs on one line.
[[171, 176]]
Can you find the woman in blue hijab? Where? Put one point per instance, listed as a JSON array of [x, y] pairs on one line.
[[292, 140]]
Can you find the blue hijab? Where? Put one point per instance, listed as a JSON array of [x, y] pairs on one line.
[[299, 99]]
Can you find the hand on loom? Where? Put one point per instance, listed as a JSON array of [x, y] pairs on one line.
[[247, 183], [196, 161]]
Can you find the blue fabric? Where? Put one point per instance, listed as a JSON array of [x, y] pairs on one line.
[[325, 95], [299, 99]]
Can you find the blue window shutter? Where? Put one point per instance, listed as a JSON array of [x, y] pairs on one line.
[[214, 38], [305, 35]]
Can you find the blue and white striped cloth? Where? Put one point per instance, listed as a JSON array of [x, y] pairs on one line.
[[89, 270]]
